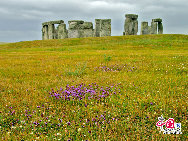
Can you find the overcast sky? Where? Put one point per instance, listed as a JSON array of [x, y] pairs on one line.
[[20, 20]]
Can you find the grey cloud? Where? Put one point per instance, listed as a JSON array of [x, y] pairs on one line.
[[21, 19]]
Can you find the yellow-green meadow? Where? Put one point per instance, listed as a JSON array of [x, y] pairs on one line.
[[108, 88]]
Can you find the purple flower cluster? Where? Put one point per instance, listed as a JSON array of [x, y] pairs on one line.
[[81, 91], [116, 68]]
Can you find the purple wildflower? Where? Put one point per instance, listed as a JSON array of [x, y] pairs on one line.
[[68, 123]]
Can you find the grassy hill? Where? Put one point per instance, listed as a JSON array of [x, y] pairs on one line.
[[110, 88]]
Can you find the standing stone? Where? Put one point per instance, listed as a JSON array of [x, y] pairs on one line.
[[97, 28], [144, 28], [105, 27], [160, 28], [131, 24], [62, 32], [79, 29], [86, 29], [45, 32], [157, 23], [153, 27], [51, 31], [102, 27], [75, 28]]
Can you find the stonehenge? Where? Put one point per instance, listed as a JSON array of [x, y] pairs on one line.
[[155, 28], [131, 24], [81, 29], [77, 29]]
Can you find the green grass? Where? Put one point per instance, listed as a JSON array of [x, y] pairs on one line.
[[149, 72]]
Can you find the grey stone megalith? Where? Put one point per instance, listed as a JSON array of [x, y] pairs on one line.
[[97, 28], [105, 27], [87, 29], [62, 32], [77, 29], [131, 24], [102, 27], [45, 32], [155, 28], [74, 30], [160, 25], [49, 31], [145, 29]]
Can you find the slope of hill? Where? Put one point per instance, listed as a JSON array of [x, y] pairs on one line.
[[110, 88]]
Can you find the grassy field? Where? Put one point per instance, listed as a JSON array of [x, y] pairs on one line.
[[110, 88]]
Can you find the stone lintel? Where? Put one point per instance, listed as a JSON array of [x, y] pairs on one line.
[[105, 20], [157, 20], [97, 20], [132, 16], [52, 22], [76, 21], [88, 25], [144, 22]]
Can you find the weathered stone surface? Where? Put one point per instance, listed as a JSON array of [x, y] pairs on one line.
[[131, 24], [97, 28], [74, 28], [87, 33], [160, 28], [153, 28], [131, 16], [76, 21], [79, 29], [156, 25], [102, 27], [144, 28], [45, 32], [86, 29], [87, 25], [105, 27], [75, 24], [51, 31], [157, 20], [74, 33], [56, 34], [62, 32], [52, 22]]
